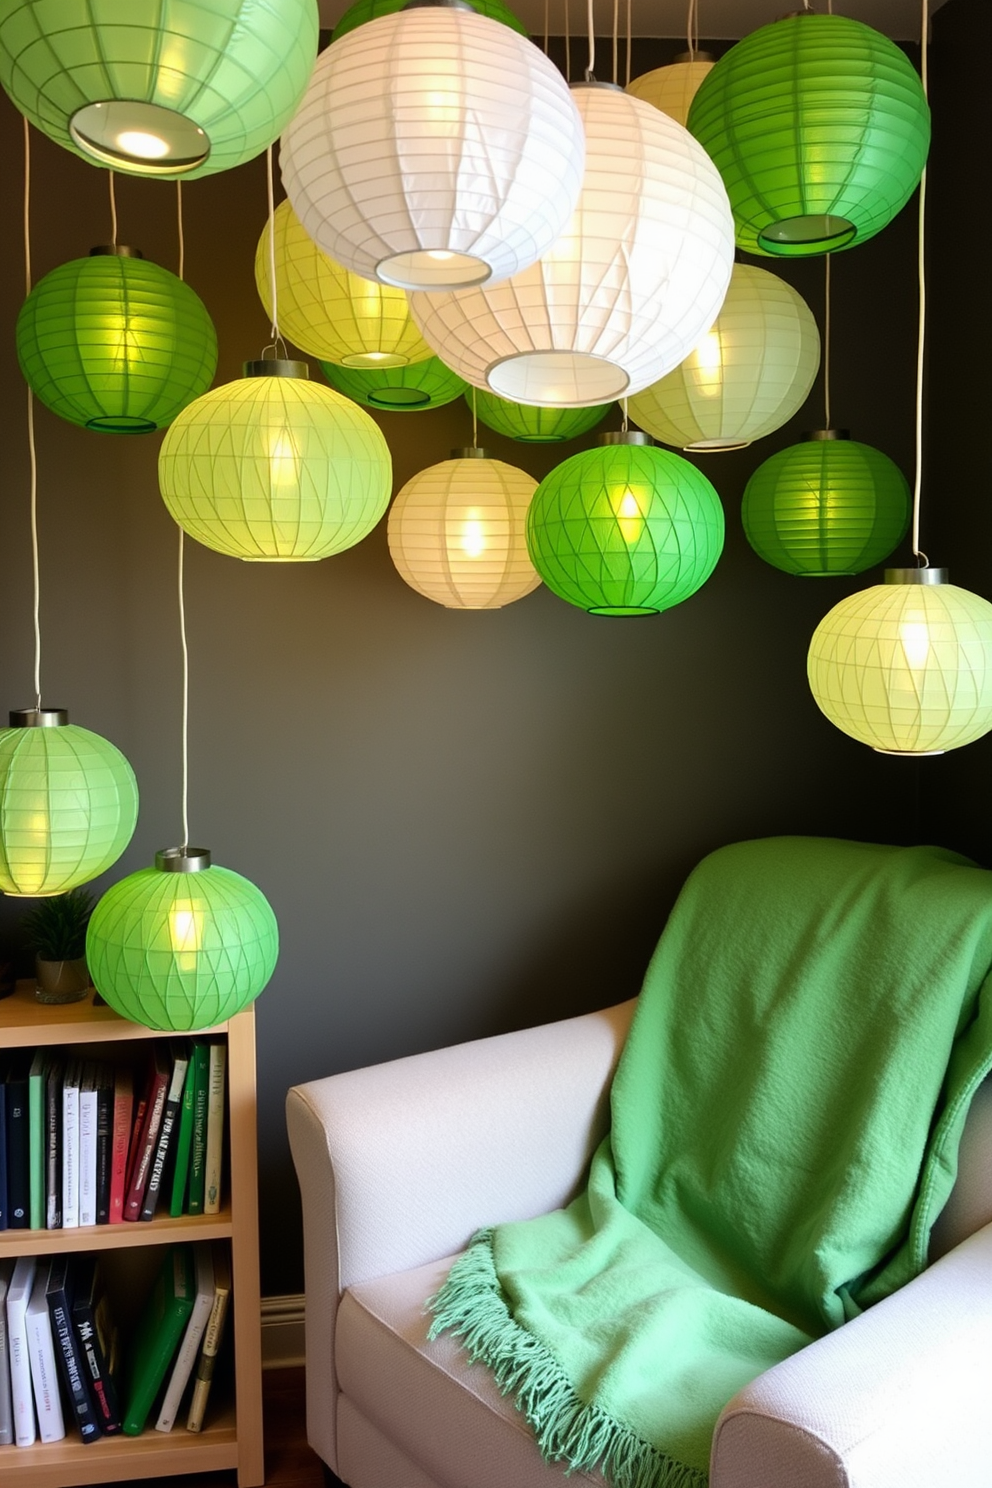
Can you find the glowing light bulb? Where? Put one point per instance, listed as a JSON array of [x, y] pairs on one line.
[[439, 255], [137, 142], [630, 518], [914, 636], [284, 460], [185, 933], [706, 365], [473, 543]]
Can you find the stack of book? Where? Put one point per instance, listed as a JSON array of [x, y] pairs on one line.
[[87, 1141]]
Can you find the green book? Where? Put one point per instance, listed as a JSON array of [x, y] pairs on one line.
[[37, 1140], [160, 1327], [200, 1063], [184, 1141]]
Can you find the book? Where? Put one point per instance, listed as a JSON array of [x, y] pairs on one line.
[[160, 1327], [215, 1126], [179, 1054], [18, 1142], [180, 1167], [138, 1108], [70, 1145], [213, 1337], [4, 1216], [87, 1144], [94, 1327], [68, 1349], [6, 1406], [53, 1143], [21, 1390], [36, 1139], [192, 1339], [41, 1351], [155, 1093], [198, 1149], [104, 1139], [120, 1140]]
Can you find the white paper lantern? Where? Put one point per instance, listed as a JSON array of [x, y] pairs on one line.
[[747, 376], [631, 285], [672, 89], [434, 148]]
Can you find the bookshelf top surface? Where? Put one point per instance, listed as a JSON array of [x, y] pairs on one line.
[[25, 1020]]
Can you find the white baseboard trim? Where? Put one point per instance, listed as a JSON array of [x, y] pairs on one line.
[[282, 1332]]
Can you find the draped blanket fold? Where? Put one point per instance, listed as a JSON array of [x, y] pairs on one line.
[[785, 1121]]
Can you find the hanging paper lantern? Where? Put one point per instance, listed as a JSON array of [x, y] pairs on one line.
[[329, 312], [68, 804], [183, 945], [368, 10], [273, 468], [827, 506], [906, 666], [625, 529], [820, 128], [114, 343], [402, 390], [672, 89], [628, 289], [434, 148], [156, 89], [535, 425], [456, 532], [747, 376]]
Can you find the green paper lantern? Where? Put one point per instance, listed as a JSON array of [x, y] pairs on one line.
[[820, 128], [155, 87], [183, 945], [116, 344], [68, 804], [827, 506], [625, 529], [535, 425], [412, 389], [273, 468], [369, 10]]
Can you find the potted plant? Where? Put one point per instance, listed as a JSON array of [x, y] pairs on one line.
[[56, 931]]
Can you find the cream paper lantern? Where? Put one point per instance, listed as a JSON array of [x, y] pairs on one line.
[[327, 311], [747, 376], [456, 532], [672, 89], [635, 280], [434, 148]]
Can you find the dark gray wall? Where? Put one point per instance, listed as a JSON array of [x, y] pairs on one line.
[[465, 822]]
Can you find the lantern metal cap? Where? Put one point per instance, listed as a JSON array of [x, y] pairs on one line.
[[825, 434], [115, 250], [916, 576], [276, 367], [182, 859], [472, 452], [625, 436], [439, 5], [697, 56], [38, 717]]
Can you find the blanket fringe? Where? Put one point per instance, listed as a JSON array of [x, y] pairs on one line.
[[471, 1305]]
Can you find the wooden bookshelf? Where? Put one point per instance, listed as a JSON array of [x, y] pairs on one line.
[[232, 1435]]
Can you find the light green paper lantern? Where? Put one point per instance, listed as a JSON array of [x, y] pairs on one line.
[[183, 945], [159, 87], [369, 10], [820, 129], [827, 506], [68, 804], [274, 468], [114, 343], [535, 425], [625, 529], [413, 389]]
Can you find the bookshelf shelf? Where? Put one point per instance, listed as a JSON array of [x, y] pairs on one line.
[[117, 1236]]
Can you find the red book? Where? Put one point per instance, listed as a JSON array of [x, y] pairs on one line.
[[137, 1123], [155, 1092], [120, 1135]]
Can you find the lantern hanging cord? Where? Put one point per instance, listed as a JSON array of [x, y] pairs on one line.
[[826, 341], [591, 24], [623, 409], [113, 210], [921, 338], [475, 423], [185, 694], [547, 24], [616, 37], [568, 48], [32, 447], [692, 30], [179, 229], [627, 62]]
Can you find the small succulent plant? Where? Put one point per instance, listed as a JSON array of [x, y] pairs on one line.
[[56, 927]]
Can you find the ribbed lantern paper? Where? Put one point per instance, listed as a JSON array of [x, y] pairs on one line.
[[820, 128], [367, 10], [411, 389], [434, 148], [68, 804], [671, 88], [535, 425], [906, 667], [826, 506], [747, 376], [273, 468], [329, 312], [456, 532], [625, 529], [114, 343], [156, 87], [635, 280]]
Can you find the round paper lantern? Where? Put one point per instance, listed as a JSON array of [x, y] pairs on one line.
[[329, 312], [158, 89], [906, 666], [68, 804], [456, 532], [827, 506], [273, 468], [434, 148], [114, 343], [535, 425], [628, 289], [368, 10], [672, 89], [820, 128], [625, 529], [747, 376], [183, 945], [403, 390]]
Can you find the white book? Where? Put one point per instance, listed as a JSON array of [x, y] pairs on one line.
[[6, 1407], [195, 1329], [87, 1145], [22, 1395], [70, 1146], [41, 1351], [215, 1127]]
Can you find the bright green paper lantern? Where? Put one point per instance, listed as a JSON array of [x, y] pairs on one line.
[[625, 529], [114, 343], [274, 468], [535, 425], [68, 804], [820, 128], [370, 10], [827, 506], [183, 945], [411, 389], [158, 87]]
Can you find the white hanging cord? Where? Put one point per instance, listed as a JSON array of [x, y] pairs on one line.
[[690, 30], [32, 448], [623, 409], [277, 340], [826, 341], [185, 723], [475, 423], [616, 37], [921, 339], [113, 210], [627, 65], [591, 23], [568, 48], [179, 227], [547, 24]]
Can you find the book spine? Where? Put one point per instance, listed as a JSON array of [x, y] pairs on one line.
[[36, 1152], [180, 1170], [165, 1137], [41, 1347], [53, 1150], [212, 1340], [192, 1338], [22, 1394], [102, 1385], [4, 1213], [70, 1151], [71, 1363], [142, 1167], [215, 1128], [18, 1153], [120, 1142], [198, 1149], [6, 1405], [87, 1155]]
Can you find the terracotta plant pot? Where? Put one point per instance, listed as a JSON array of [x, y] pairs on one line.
[[61, 981]]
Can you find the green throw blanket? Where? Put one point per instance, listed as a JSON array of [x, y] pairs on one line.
[[785, 1124]]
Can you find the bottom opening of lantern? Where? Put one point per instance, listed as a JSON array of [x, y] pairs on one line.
[[796, 236], [557, 379]]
